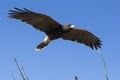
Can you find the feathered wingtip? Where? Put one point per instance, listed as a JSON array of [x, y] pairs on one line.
[[97, 45], [17, 11]]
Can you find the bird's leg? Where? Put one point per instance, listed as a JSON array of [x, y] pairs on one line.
[[43, 44]]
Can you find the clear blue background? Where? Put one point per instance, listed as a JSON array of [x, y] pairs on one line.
[[61, 60]]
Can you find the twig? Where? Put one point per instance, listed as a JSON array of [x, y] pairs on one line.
[[19, 70], [13, 76], [25, 73], [105, 67]]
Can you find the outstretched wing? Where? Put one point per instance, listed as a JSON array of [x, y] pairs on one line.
[[83, 36], [39, 21]]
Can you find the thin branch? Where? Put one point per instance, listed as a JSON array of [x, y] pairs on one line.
[[25, 73], [104, 63], [13, 76], [19, 70]]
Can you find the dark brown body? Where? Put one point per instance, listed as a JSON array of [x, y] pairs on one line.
[[55, 30]]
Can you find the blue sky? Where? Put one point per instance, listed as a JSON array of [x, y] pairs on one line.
[[61, 60]]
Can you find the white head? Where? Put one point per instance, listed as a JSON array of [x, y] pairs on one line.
[[69, 26]]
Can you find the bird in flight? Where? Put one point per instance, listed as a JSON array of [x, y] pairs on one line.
[[55, 30]]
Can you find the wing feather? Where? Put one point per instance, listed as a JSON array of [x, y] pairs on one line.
[[39, 21], [83, 36]]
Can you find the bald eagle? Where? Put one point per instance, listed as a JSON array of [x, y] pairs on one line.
[[55, 30]]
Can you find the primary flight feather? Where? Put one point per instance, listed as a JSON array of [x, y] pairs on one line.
[[55, 30]]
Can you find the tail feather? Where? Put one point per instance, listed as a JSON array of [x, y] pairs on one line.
[[41, 46]]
